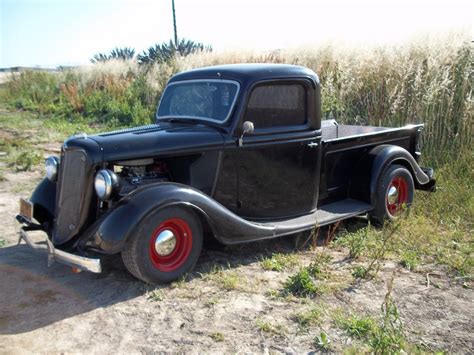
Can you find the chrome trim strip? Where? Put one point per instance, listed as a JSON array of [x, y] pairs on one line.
[[236, 83], [77, 261], [387, 130], [130, 130]]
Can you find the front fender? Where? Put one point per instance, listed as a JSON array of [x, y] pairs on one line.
[[110, 233], [44, 201]]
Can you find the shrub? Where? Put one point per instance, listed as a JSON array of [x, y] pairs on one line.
[[33, 90], [166, 51], [301, 284], [125, 53]]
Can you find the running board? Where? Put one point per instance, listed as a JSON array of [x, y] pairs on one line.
[[239, 230], [324, 215]]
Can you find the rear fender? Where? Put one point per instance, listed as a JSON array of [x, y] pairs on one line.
[[370, 168], [110, 233]]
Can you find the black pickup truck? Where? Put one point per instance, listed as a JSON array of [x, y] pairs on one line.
[[237, 152]]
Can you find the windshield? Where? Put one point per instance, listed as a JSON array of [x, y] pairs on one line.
[[202, 99]]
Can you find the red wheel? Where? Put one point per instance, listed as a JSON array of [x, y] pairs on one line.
[[394, 194], [170, 244], [165, 246], [397, 195]]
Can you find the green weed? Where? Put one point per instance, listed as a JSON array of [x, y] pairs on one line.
[[268, 327], [181, 283], [308, 317], [308, 281], [229, 281], [377, 251], [356, 241], [156, 295], [323, 342], [211, 302], [25, 161], [360, 272], [302, 284], [389, 337], [385, 334], [273, 294], [217, 337], [409, 259], [279, 262], [360, 327]]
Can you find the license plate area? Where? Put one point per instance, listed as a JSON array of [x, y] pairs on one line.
[[26, 209]]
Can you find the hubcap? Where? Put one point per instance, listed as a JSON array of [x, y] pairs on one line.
[[397, 195], [165, 242], [171, 244], [392, 195]]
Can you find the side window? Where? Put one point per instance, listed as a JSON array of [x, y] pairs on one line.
[[277, 105]]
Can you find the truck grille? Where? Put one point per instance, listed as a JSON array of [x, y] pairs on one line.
[[70, 195]]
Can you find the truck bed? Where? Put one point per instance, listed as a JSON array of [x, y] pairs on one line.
[[344, 145]]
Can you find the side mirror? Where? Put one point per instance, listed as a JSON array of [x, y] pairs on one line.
[[248, 128]]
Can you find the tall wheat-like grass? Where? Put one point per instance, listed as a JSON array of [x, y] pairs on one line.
[[428, 81]]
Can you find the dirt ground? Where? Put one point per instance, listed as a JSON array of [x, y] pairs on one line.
[[54, 310]]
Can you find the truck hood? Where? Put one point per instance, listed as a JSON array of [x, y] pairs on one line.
[[157, 140]]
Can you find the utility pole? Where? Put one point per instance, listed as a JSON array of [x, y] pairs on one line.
[[174, 25]]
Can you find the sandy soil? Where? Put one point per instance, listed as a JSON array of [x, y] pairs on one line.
[[54, 310]]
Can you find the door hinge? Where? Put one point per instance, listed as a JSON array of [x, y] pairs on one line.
[[312, 144]]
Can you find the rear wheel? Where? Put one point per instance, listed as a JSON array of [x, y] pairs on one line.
[[165, 246], [394, 194]]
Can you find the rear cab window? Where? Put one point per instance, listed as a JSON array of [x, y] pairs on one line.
[[276, 105]]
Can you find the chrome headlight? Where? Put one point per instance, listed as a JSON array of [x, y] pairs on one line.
[[106, 181], [51, 166]]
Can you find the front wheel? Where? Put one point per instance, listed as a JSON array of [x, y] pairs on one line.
[[395, 193], [165, 246]]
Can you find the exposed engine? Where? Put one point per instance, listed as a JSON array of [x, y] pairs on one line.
[[136, 173]]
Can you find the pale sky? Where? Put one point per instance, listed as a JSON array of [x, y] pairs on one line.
[[69, 32]]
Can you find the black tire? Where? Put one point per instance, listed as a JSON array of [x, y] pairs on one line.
[[141, 257], [399, 177]]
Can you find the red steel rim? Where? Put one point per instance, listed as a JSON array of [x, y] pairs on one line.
[[182, 249], [401, 185]]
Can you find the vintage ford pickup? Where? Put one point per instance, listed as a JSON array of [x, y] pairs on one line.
[[237, 152]]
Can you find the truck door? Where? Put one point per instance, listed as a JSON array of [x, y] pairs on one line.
[[278, 164]]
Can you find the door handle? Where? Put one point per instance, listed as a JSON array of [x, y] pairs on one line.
[[312, 144]]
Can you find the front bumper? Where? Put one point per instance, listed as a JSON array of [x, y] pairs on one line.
[[54, 254]]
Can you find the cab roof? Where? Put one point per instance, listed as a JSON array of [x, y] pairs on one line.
[[248, 73]]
